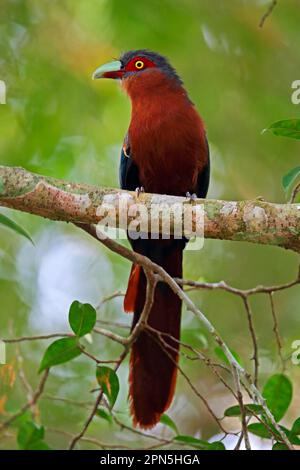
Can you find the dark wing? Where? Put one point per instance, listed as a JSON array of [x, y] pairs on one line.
[[129, 178], [203, 178], [128, 170]]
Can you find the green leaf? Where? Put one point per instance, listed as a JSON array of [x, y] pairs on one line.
[[109, 383], [221, 355], [23, 418], [292, 437], [217, 445], [104, 415], [290, 177], [194, 337], [29, 433], [259, 430], [82, 318], [236, 411], [279, 446], [167, 421], [199, 444], [38, 445], [62, 350], [278, 393], [192, 441], [286, 128], [14, 226], [296, 427]]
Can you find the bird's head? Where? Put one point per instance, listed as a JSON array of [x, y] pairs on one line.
[[140, 66]]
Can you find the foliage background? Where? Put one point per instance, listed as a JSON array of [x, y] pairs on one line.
[[60, 123]]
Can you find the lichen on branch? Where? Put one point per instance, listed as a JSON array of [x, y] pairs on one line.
[[254, 221]]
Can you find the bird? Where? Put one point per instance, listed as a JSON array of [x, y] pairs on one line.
[[165, 151]]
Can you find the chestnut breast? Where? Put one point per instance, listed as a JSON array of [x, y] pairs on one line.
[[166, 135]]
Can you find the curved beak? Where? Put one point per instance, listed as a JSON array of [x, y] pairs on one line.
[[109, 70]]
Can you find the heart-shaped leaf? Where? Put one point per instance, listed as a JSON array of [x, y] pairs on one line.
[[82, 318]]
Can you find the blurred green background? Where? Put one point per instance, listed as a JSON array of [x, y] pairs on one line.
[[58, 122]]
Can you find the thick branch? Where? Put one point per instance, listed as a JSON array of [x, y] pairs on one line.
[[253, 221]]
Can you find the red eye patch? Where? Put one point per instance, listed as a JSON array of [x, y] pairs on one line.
[[139, 63]]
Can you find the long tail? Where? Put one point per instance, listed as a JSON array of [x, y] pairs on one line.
[[153, 362]]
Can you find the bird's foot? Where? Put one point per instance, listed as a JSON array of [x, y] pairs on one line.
[[191, 197], [139, 190]]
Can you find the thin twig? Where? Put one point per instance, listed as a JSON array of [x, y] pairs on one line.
[[147, 264], [37, 394], [199, 355], [141, 324], [242, 407], [90, 418], [253, 337], [108, 298], [267, 13], [222, 285], [276, 331], [38, 337], [190, 383], [80, 404], [90, 440], [26, 384]]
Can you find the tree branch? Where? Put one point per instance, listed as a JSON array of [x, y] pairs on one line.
[[149, 266], [267, 13], [254, 221], [30, 403], [141, 324]]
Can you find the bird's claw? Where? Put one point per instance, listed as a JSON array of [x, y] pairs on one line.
[[191, 197], [139, 190]]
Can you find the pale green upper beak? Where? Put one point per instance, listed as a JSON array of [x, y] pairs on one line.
[[100, 72]]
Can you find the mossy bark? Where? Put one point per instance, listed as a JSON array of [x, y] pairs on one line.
[[254, 221]]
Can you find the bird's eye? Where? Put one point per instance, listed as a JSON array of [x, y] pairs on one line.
[[139, 64]]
